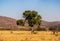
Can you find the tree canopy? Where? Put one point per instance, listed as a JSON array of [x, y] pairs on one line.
[[33, 17]]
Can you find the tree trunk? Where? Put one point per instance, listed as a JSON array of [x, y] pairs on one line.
[[38, 28], [32, 30]]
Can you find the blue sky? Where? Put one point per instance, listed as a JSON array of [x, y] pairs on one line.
[[48, 9]]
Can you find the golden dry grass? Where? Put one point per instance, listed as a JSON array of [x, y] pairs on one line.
[[27, 36]]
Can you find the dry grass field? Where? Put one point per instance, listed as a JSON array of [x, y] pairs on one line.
[[27, 36]]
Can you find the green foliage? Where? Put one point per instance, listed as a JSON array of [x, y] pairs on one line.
[[20, 22], [29, 14], [32, 17]]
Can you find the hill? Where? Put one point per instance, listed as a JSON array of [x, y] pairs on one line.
[[47, 24], [7, 23], [10, 23]]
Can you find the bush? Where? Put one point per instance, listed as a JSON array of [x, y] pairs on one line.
[[20, 22], [53, 28]]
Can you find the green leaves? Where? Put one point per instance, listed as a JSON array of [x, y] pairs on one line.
[[32, 17], [26, 13], [20, 22]]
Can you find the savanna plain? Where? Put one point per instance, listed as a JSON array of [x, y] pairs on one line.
[[6, 35]]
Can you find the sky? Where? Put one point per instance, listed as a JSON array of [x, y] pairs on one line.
[[48, 9]]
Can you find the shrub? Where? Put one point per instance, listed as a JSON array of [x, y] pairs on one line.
[[20, 22], [53, 28]]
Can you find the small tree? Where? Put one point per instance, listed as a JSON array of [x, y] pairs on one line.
[[33, 18], [20, 22]]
